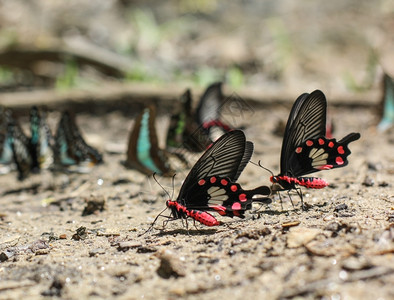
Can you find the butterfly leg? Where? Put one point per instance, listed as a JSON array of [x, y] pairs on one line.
[[194, 224], [291, 199], [281, 202], [165, 222], [299, 192]]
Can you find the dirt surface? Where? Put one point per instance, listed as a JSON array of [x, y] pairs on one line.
[[340, 248]]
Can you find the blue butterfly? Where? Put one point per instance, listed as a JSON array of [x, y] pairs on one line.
[[41, 141], [6, 160], [143, 151], [71, 151], [387, 104]]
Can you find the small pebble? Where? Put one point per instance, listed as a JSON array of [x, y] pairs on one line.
[[96, 252], [170, 264], [340, 207]]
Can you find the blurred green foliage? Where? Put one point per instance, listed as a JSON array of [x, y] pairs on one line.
[[70, 77], [284, 47], [370, 74], [6, 75], [235, 77]]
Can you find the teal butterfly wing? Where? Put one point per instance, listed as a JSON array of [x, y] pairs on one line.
[[41, 140], [184, 132], [6, 156], [387, 105], [71, 150], [21, 149], [143, 152]]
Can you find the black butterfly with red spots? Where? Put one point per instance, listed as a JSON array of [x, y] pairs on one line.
[[210, 185], [305, 148]]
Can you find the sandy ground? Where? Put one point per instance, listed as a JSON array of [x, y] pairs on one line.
[[340, 248]]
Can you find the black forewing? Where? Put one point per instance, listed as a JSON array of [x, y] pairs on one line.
[[245, 159], [223, 159], [21, 151], [307, 120], [77, 149], [208, 108]]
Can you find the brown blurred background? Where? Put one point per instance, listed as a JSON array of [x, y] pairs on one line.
[[278, 45]]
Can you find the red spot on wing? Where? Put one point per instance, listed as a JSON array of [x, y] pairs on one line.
[[340, 150], [236, 206], [339, 160], [234, 188], [309, 143], [330, 144], [242, 197], [298, 150], [201, 182], [325, 167], [213, 179], [321, 142], [224, 182], [221, 210]]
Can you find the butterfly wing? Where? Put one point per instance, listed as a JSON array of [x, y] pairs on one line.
[[224, 158], [387, 104], [307, 120], [5, 142], [20, 145], [208, 112], [183, 131], [41, 140], [208, 108], [71, 149], [321, 154], [178, 121], [249, 147], [143, 151]]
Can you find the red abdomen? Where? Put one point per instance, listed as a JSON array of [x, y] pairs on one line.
[[200, 216], [308, 182], [312, 182], [203, 217]]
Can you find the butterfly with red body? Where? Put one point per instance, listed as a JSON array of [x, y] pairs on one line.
[[208, 112], [210, 185], [305, 149]]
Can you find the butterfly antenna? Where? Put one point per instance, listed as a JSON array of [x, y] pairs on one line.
[[154, 177], [153, 223], [261, 166], [173, 186]]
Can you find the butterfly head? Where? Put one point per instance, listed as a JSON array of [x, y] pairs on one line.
[[274, 179]]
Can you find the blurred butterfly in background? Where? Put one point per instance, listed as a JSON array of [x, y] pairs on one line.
[[305, 149], [41, 141], [6, 156], [143, 152], [21, 149], [387, 104], [208, 112], [183, 131], [71, 152], [195, 131]]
